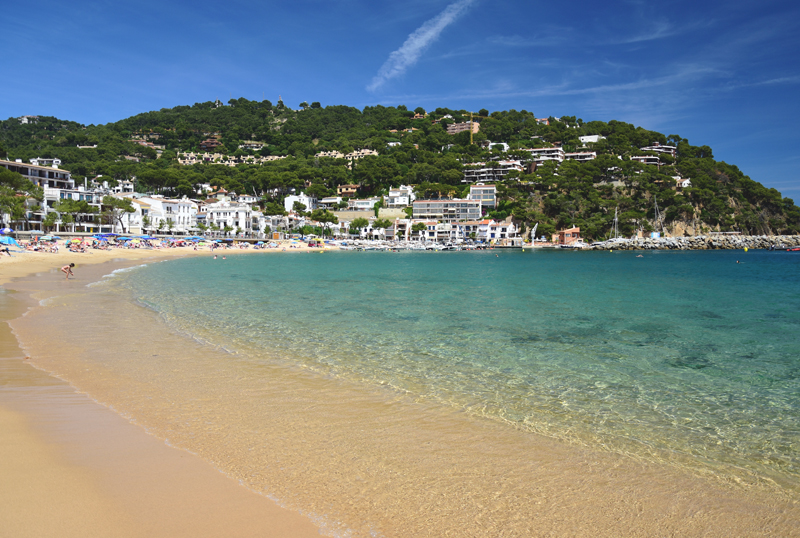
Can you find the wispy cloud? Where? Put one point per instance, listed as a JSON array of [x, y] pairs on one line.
[[660, 30], [770, 82], [409, 53], [553, 36]]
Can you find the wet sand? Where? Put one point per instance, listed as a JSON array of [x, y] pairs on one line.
[[71, 467], [369, 462]]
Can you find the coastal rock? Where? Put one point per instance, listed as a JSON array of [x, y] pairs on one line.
[[701, 242]]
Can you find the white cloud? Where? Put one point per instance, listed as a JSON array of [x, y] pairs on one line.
[[408, 54]]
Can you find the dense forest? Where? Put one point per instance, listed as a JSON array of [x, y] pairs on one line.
[[584, 194]]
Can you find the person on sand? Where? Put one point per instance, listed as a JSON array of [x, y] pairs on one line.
[[67, 270]]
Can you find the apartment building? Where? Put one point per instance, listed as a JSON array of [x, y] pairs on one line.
[[547, 154], [646, 159], [496, 171], [486, 194], [231, 214], [401, 196], [447, 210], [659, 148], [42, 176], [581, 156], [455, 128]]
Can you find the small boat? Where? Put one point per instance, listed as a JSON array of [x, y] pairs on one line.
[[795, 249]]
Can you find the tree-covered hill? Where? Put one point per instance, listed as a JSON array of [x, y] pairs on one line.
[[584, 194]]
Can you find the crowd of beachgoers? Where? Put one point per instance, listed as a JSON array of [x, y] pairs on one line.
[[53, 244], [106, 242]]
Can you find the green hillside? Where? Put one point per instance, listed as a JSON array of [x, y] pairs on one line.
[[581, 194]]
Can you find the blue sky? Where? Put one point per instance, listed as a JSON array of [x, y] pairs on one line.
[[723, 74]]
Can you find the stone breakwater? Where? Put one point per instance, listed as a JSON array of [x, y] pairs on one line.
[[701, 242]]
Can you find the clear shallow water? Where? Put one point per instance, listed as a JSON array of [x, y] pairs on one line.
[[685, 356]]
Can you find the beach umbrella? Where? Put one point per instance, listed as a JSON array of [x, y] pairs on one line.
[[6, 231], [56, 237], [35, 231], [46, 238], [5, 240]]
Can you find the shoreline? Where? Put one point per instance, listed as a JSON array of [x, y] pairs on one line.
[[637, 497], [75, 468]]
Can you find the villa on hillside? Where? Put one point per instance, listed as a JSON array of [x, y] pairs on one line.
[[568, 236], [347, 191]]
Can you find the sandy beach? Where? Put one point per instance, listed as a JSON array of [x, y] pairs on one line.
[[380, 465], [74, 468]]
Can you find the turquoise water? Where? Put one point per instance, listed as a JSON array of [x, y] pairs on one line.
[[681, 356]]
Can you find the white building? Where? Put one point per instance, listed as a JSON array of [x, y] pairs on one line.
[[329, 202], [547, 154], [368, 204], [491, 231], [309, 201], [237, 217], [447, 210], [646, 159], [39, 161], [659, 148], [486, 194], [591, 139], [168, 214], [401, 196], [248, 199], [52, 180], [497, 171], [682, 183], [581, 156], [42, 176]]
